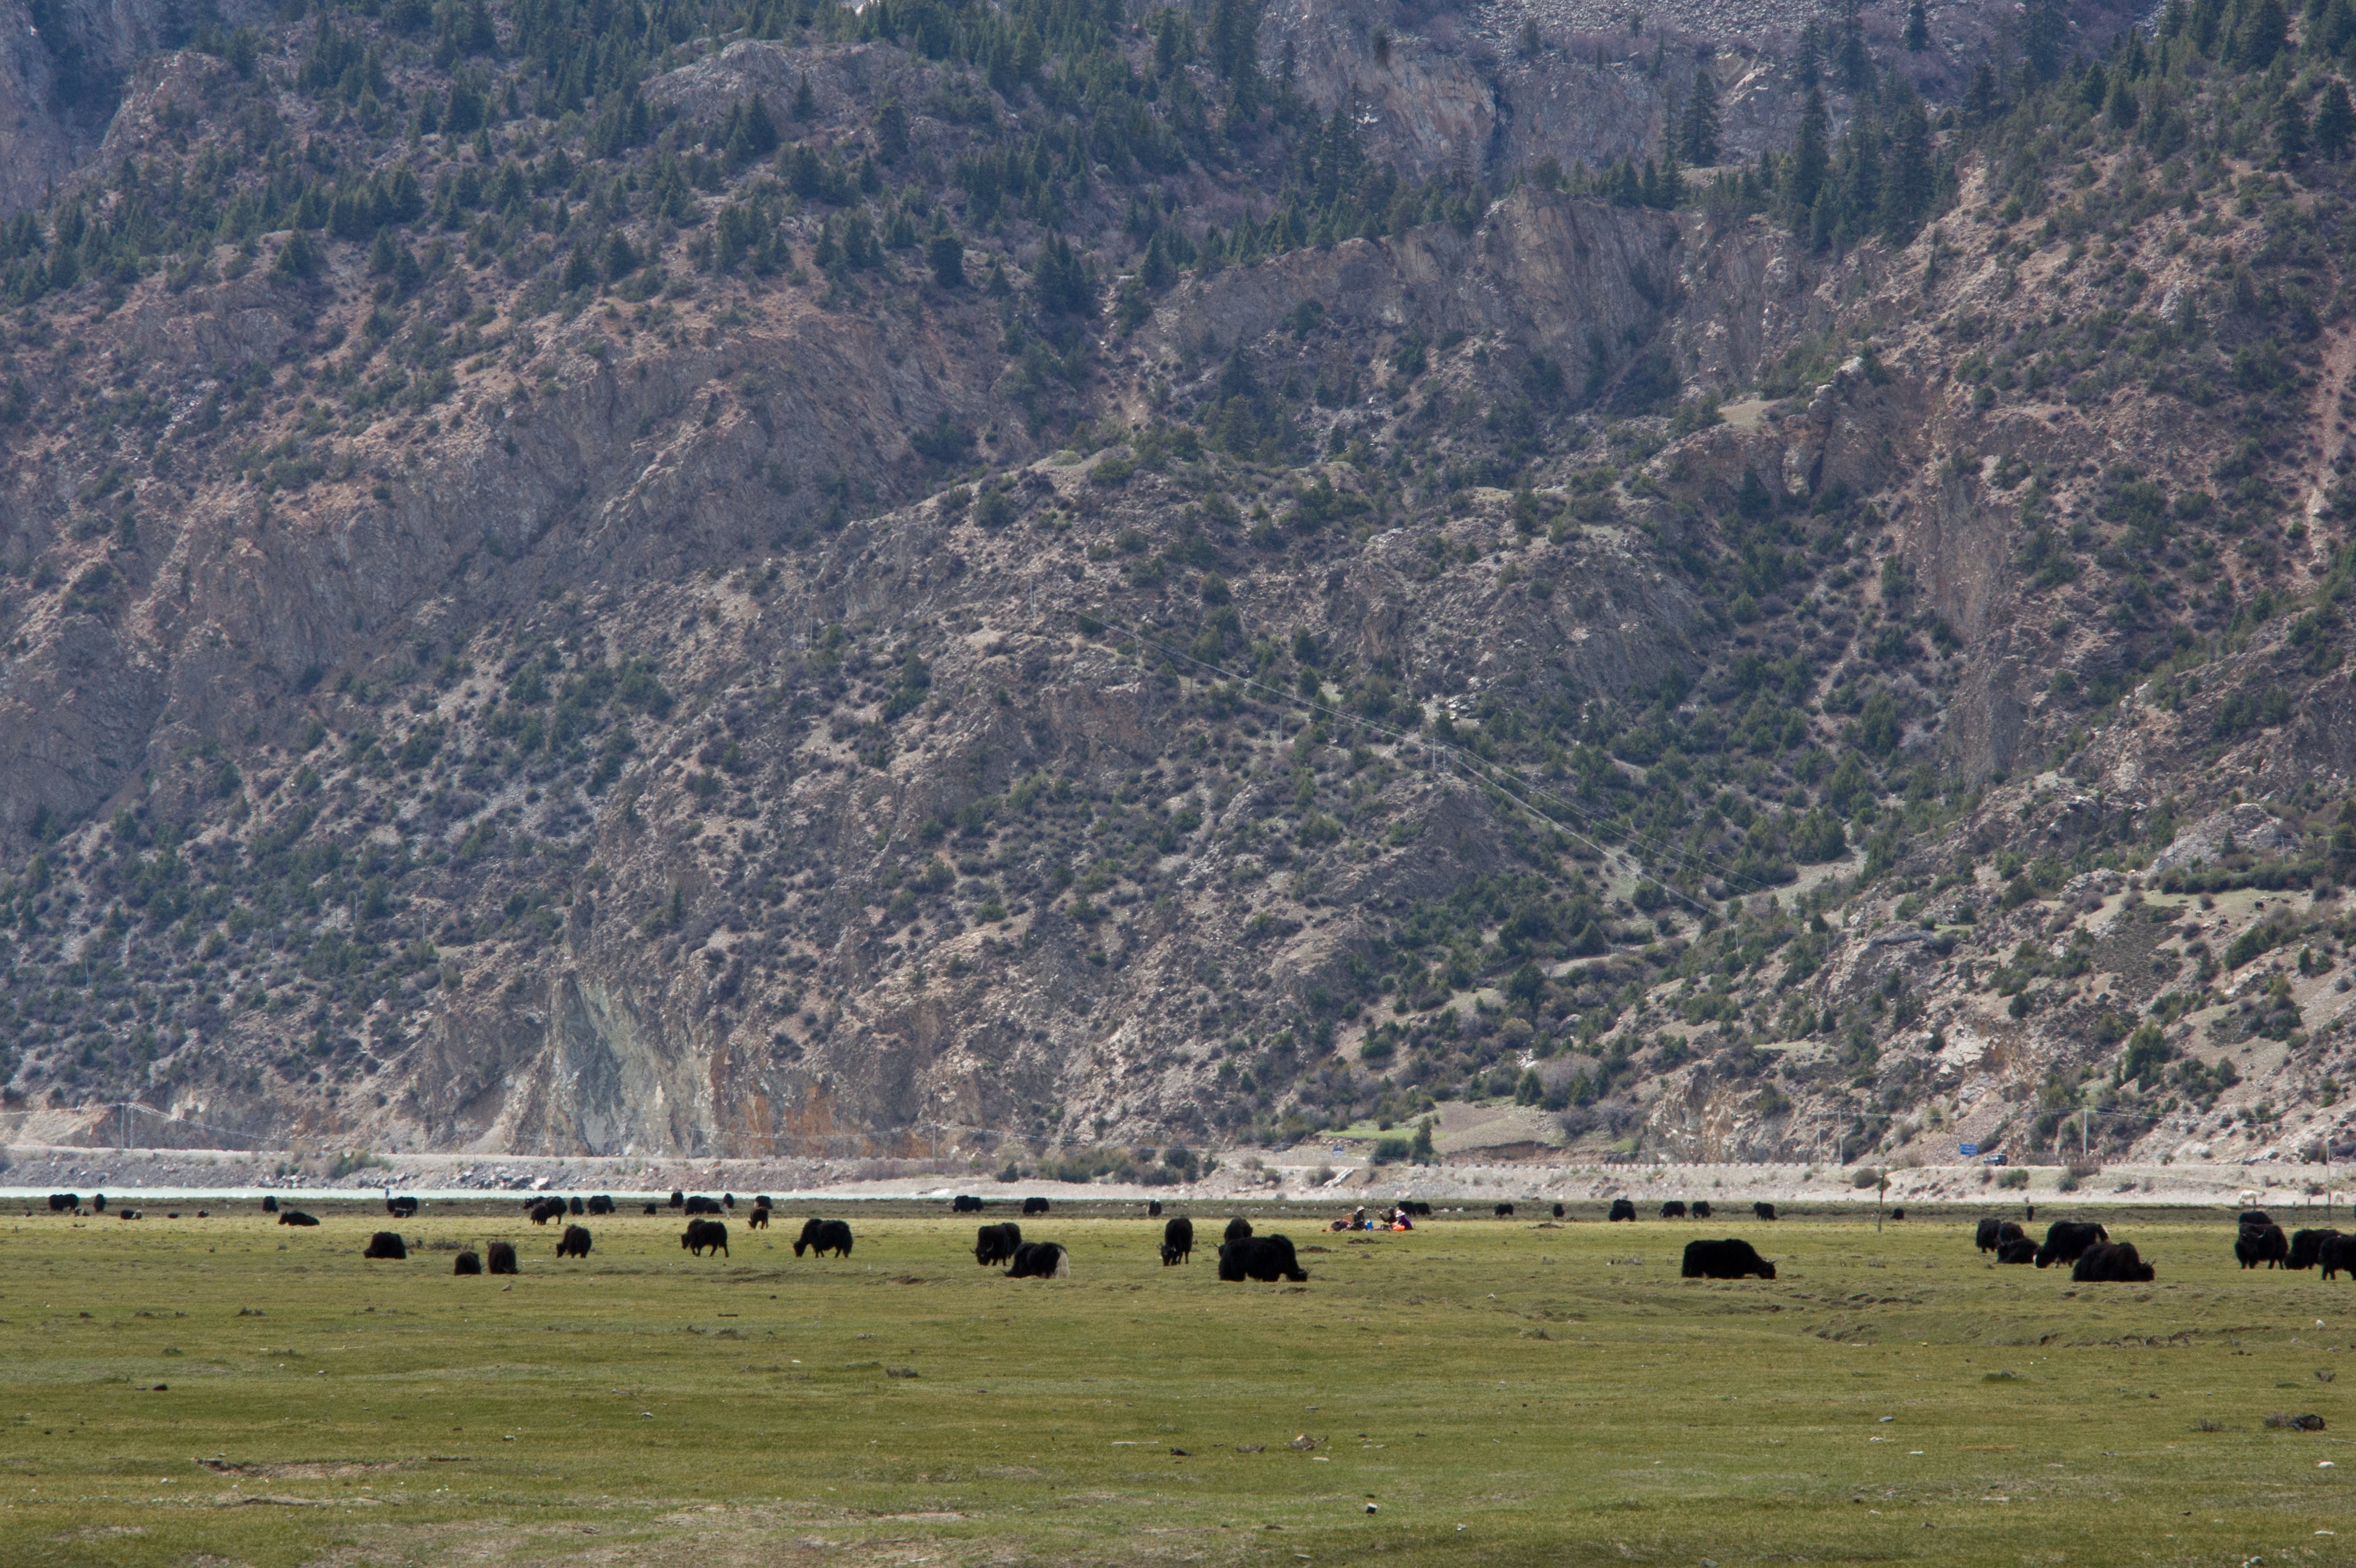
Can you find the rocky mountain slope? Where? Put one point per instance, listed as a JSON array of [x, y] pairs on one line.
[[1073, 586]]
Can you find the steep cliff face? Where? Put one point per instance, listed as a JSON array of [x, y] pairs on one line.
[[846, 596], [692, 1035]]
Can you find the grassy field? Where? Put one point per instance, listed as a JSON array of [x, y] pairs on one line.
[[226, 1390]]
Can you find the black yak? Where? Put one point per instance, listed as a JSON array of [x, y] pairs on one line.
[[2111, 1262], [575, 1243], [1034, 1206], [503, 1258], [1239, 1228], [996, 1243], [601, 1204], [1040, 1260], [295, 1216], [758, 1219], [1622, 1208], [1177, 1241], [700, 1205], [1732, 1259], [965, 1203], [1763, 1210], [2016, 1249], [467, 1263], [824, 1236], [2066, 1242], [388, 1245], [1672, 1210], [2307, 1248], [703, 1235], [1263, 1258], [1701, 1208], [2255, 1244]]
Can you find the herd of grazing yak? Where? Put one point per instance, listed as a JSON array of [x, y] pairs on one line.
[[2085, 1245]]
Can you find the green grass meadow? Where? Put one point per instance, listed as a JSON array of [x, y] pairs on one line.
[[226, 1390]]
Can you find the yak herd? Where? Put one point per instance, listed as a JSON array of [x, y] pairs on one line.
[[2085, 1245], [2095, 1258]]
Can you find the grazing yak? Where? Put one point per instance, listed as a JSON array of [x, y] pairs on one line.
[[702, 1206], [2109, 1263], [705, 1235], [2255, 1244], [2017, 1250], [503, 1258], [1732, 1259], [574, 1242], [654, 1209], [387, 1244], [1416, 1207], [401, 1208], [1040, 1260], [1701, 1208], [965, 1203], [67, 1202], [996, 1243], [824, 1236], [758, 1219], [1263, 1258], [2066, 1242], [2307, 1248], [1034, 1206], [1993, 1234], [548, 1208], [601, 1204], [1504, 1211], [295, 1216], [467, 1263], [1621, 1208], [1763, 1210], [1177, 1241], [1672, 1210], [2338, 1252]]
